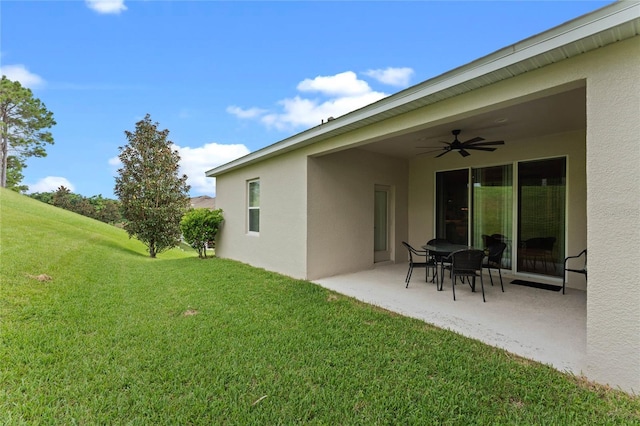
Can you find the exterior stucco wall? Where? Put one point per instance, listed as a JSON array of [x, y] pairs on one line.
[[341, 206], [613, 206], [281, 243]]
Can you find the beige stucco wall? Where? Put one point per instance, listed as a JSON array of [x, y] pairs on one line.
[[613, 207], [316, 231], [281, 243], [341, 201]]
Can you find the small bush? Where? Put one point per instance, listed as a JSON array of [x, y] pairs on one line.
[[199, 227]]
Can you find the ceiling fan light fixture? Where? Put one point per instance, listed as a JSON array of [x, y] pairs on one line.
[[476, 143]]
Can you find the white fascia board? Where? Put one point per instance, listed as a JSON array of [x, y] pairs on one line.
[[603, 19]]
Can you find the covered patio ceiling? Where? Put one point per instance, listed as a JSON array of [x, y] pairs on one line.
[[523, 119]]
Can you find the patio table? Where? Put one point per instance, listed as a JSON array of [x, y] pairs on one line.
[[441, 250]]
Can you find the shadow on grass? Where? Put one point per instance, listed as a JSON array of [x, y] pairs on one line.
[[119, 247]]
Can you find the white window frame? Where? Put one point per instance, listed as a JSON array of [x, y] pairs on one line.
[[252, 208]]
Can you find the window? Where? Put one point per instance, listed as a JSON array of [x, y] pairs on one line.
[[253, 187]]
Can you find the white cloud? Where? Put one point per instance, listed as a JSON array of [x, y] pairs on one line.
[[21, 74], [336, 95], [50, 183], [245, 113], [106, 6], [194, 162], [343, 84], [300, 112], [398, 77]]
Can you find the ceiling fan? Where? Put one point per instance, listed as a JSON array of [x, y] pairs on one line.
[[476, 143]]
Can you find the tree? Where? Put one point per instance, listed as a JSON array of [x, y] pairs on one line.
[[45, 197], [14, 174], [105, 210], [96, 207], [23, 120], [62, 198], [199, 228], [153, 196]]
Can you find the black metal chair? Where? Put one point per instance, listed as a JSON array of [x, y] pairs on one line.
[[580, 270], [494, 260], [501, 238], [489, 240], [427, 264], [538, 248], [466, 264], [436, 241]]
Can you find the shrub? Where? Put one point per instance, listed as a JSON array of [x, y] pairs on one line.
[[199, 227]]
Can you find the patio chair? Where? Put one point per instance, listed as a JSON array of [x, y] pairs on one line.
[[499, 237], [467, 264], [579, 270], [489, 240], [538, 248], [427, 264], [494, 260], [435, 241]]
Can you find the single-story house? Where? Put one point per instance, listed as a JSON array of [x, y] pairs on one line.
[[343, 195]]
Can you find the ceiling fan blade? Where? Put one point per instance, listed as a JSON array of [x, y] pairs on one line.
[[480, 148], [446, 150], [485, 143], [476, 139], [464, 153]]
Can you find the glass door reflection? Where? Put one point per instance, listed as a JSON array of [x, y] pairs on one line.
[[492, 199]]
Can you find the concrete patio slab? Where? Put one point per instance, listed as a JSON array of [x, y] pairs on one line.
[[542, 325]]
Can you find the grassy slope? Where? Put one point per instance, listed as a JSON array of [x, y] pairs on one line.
[[116, 337]]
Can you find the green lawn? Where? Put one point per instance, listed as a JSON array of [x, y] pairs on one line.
[[93, 331]]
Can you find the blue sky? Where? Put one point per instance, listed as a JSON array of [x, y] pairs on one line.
[[229, 77]]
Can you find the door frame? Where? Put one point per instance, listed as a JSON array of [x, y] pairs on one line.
[[387, 254]]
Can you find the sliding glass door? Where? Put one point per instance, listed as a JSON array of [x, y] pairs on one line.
[[492, 207], [541, 216], [452, 206], [483, 200]]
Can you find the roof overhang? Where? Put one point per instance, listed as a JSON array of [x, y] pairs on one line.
[[615, 22]]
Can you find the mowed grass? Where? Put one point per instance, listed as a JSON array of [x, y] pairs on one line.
[[93, 331]]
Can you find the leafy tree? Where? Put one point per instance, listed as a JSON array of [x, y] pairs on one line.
[[153, 195], [45, 197], [62, 198], [199, 228], [96, 207], [23, 120], [14, 174], [105, 210]]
